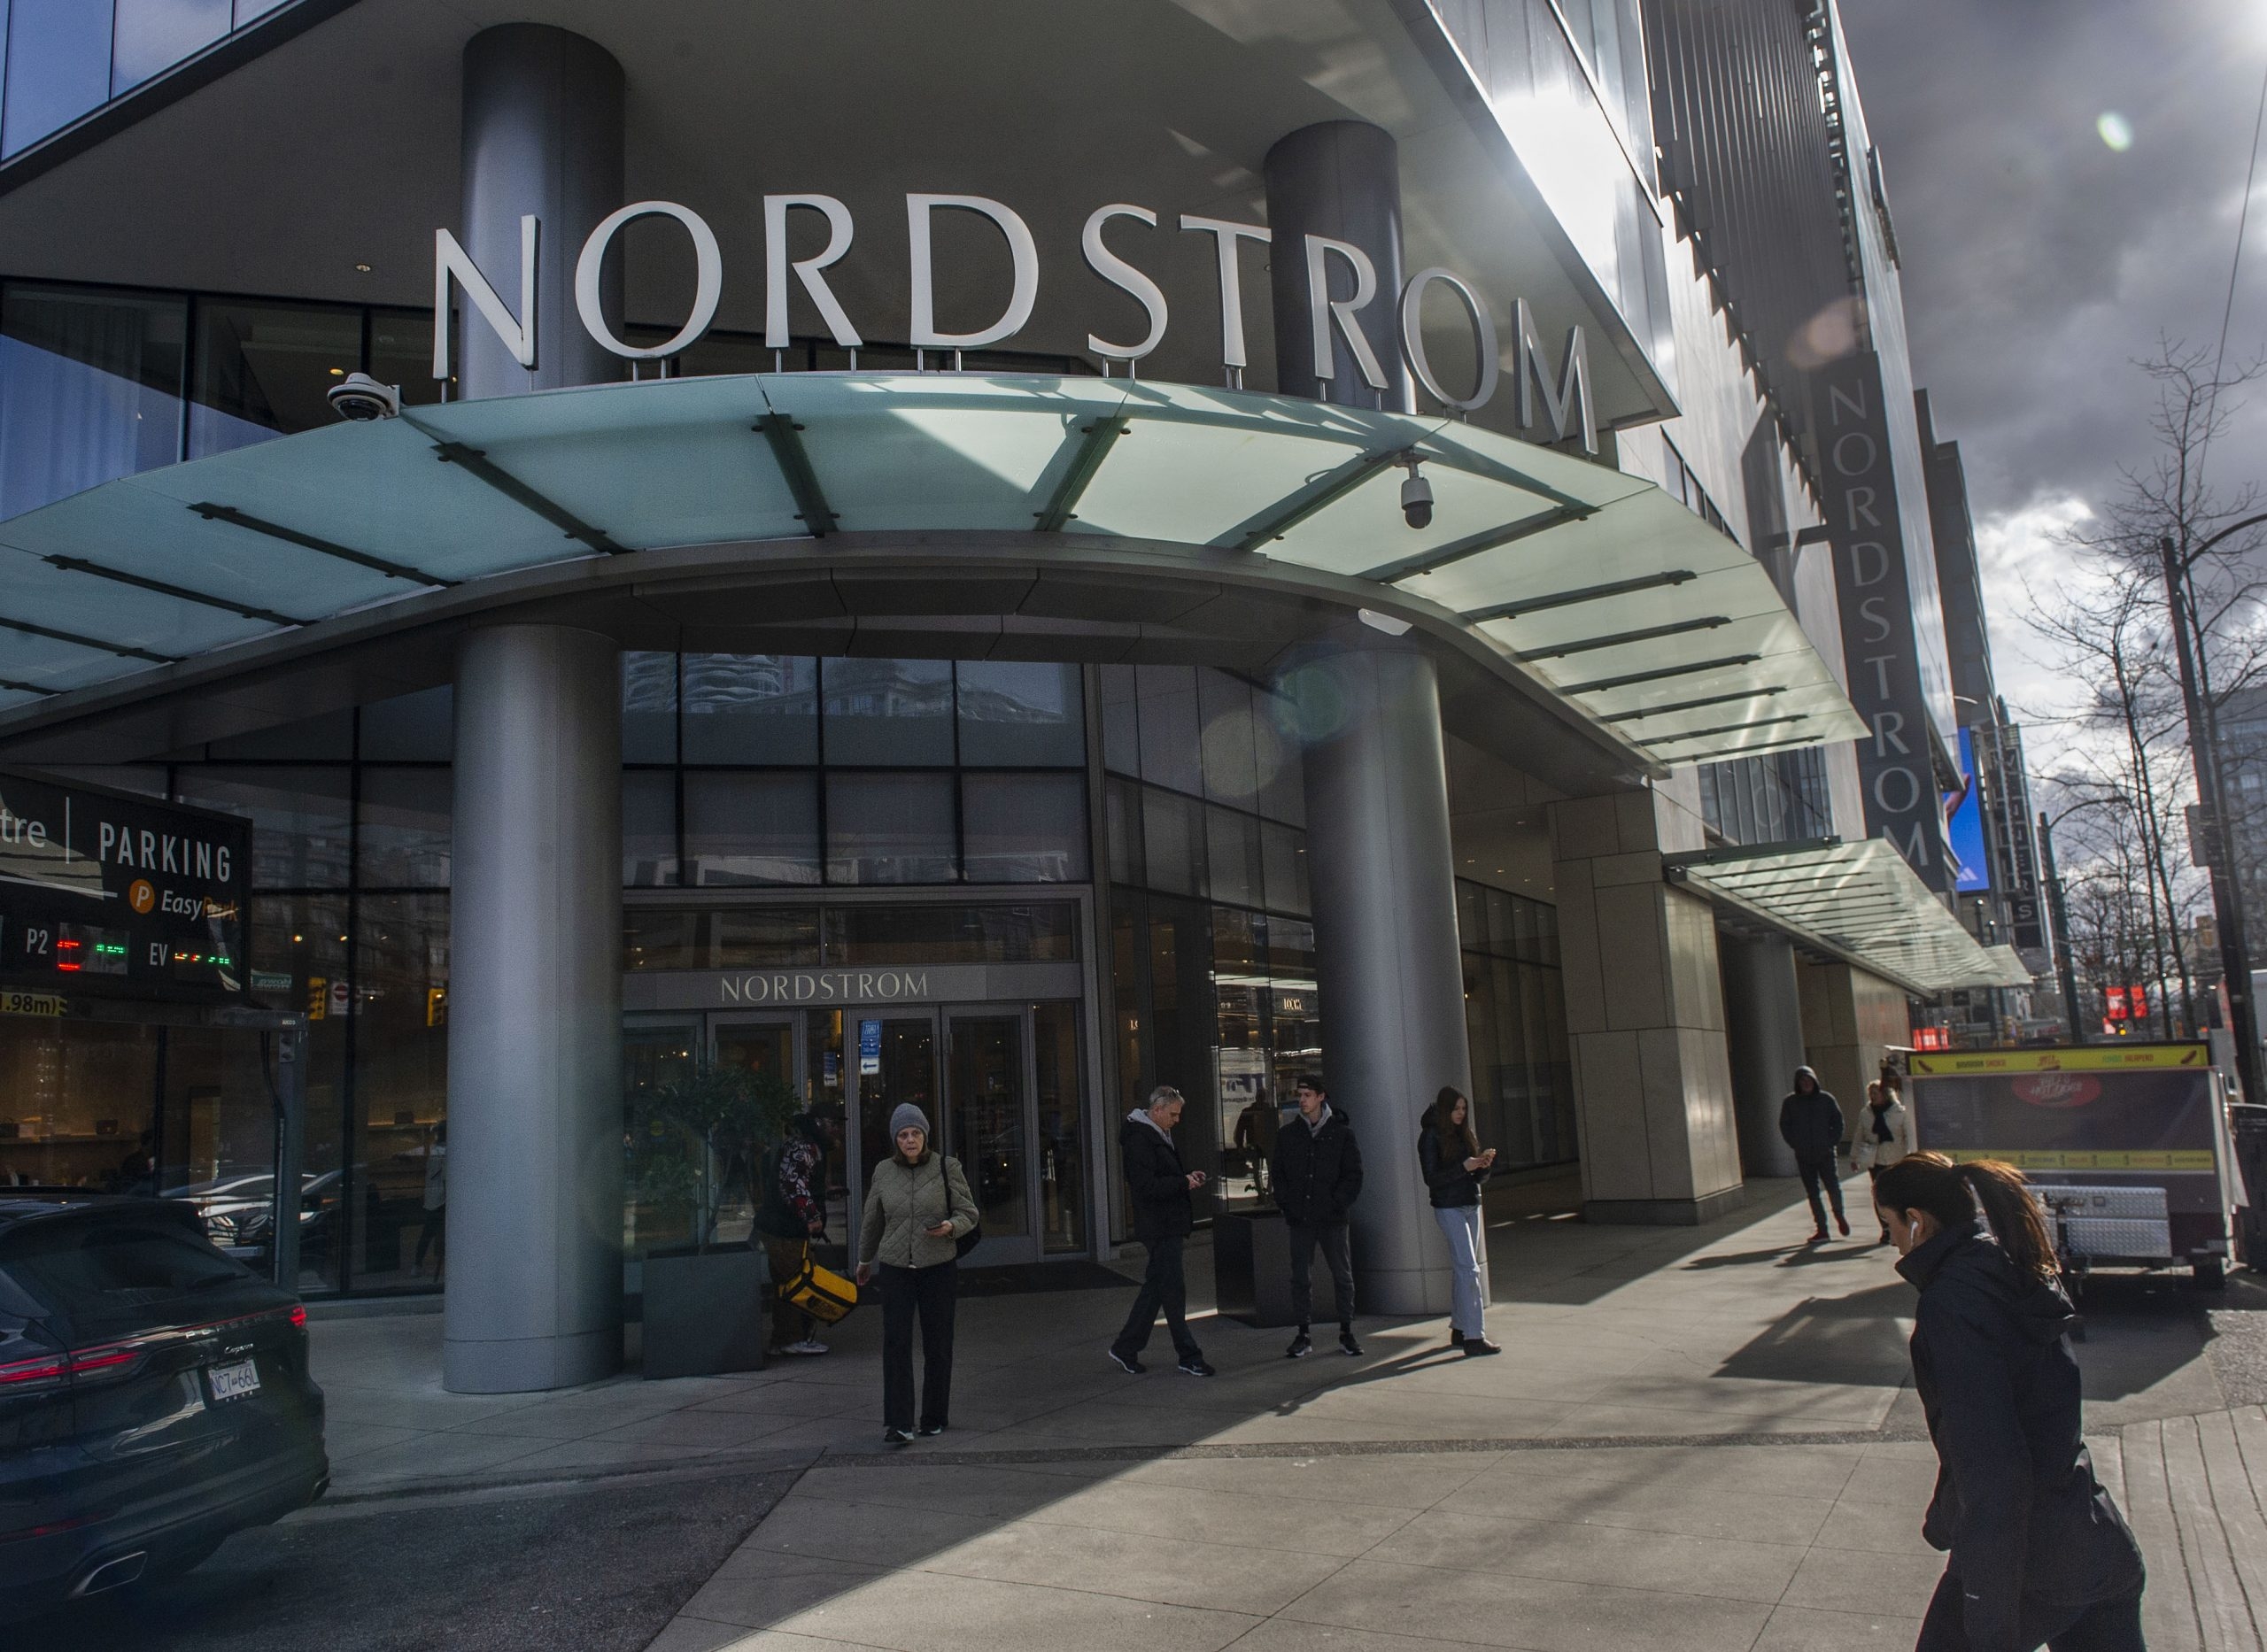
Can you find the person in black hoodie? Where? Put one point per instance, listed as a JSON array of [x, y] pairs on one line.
[[1810, 1121], [1316, 1172], [2039, 1554], [1164, 1218]]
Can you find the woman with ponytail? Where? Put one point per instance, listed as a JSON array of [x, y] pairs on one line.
[[2039, 1555]]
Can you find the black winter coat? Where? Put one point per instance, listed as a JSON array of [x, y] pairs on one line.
[[1157, 1180], [1453, 1186], [2017, 1501], [1316, 1174], [1811, 1125]]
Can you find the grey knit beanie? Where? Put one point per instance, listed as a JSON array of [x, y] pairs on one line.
[[908, 1117]]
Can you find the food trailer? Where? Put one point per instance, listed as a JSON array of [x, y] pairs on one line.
[[2126, 1144]]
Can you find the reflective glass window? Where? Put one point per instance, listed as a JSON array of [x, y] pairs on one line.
[[1172, 835], [1121, 722], [750, 708], [58, 66], [1231, 857], [1025, 829], [152, 35], [396, 1197], [412, 729], [888, 711], [90, 386], [891, 829], [1284, 850], [298, 950], [1276, 763], [247, 10], [329, 737], [300, 827], [403, 841], [1121, 802], [1170, 727], [1042, 932], [264, 370], [648, 707], [663, 937], [648, 828], [1021, 713], [751, 828], [1224, 711], [1062, 1150], [763, 937], [401, 354]]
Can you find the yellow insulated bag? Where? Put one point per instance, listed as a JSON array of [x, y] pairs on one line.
[[819, 1292]]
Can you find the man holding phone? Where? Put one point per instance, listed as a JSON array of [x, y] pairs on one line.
[[1164, 1216]]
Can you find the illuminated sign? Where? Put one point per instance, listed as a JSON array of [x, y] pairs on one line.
[[102, 892]]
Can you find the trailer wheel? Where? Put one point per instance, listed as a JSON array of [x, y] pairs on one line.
[[2210, 1272]]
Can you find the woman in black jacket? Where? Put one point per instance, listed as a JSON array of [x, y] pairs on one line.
[[1454, 1165], [2039, 1554]]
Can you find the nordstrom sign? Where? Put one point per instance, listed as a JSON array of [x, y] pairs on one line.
[[1341, 282]]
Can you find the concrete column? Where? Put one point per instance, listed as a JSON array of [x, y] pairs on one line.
[[1340, 180], [1392, 983], [535, 1023], [543, 134], [1764, 1021], [1645, 1012], [1850, 1019]]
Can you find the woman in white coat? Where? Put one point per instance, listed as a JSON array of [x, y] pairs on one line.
[[1883, 1135]]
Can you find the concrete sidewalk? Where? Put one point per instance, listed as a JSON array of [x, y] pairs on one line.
[[1696, 1437]]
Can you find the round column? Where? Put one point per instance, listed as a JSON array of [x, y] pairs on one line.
[[1763, 1027], [534, 1014], [1392, 980], [543, 134], [1341, 180]]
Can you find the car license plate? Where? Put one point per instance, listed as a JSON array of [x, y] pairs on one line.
[[233, 1382]]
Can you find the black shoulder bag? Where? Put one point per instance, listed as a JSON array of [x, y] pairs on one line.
[[969, 1240]]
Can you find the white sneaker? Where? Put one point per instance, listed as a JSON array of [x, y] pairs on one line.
[[808, 1345]]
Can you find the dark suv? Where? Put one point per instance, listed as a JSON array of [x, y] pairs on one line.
[[154, 1395]]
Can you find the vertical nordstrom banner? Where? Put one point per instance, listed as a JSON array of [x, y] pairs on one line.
[[1868, 533]]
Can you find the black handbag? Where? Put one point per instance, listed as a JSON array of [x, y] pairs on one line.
[[969, 1240]]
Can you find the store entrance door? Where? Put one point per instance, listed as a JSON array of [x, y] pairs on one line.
[[989, 1126], [891, 1061]]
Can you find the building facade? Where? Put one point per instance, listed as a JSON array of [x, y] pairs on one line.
[[1188, 546]]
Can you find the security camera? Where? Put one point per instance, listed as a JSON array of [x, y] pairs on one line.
[[360, 398], [1417, 499]]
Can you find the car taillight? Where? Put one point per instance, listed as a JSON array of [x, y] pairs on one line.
[[298, 1317], [30, 1376], [113, 1360]]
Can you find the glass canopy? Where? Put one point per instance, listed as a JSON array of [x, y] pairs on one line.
[[1860, 901], [1661, 629]]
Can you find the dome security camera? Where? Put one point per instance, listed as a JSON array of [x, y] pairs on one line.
[[1417, 499], [359, 397]]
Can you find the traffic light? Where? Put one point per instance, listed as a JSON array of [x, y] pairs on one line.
[[318, 997], [437, 1007]]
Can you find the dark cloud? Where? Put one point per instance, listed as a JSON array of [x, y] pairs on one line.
[[2038, 261]]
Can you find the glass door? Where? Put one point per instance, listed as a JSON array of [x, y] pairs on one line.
[[892, 1059], [765, 1045], [988, 1103]]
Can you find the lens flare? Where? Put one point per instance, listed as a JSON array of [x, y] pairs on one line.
[[2115, 130]]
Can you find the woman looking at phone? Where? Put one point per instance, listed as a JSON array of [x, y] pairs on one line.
[[1455, 1164]]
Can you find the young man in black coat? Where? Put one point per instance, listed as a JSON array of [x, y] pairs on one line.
[[1810, 1121], [1316, 1173], [1164, 1216]]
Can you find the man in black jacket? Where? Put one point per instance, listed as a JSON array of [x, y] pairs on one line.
[[1163, 1219], [1810, 1121], [1316, 1172]]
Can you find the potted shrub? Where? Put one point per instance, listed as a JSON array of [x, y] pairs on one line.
[[695, 1139]]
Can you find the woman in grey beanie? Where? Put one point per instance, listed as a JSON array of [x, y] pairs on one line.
[[917, 1209]]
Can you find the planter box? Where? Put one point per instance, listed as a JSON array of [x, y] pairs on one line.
[[1252, 1271], [704, 1315]]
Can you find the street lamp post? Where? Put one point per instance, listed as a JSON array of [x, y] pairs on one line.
[[2066, 966], [2227, 899]]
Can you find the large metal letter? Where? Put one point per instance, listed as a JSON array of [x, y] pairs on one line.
[[1121, 274], [1021, 249], [1225, 236], [1572, 392], [1483, 340], [452, 262], [708, 287], [1323, 310], [776, 266]]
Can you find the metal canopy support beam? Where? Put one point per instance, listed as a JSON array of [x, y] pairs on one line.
[[784, 435], [1748, 852], [179, 593], [1693, 668], [291, 535], [1693, 705], [1094, 444], [1591, 644], [477, 463], [1588, 593], [123, 650], [1285, 514], [1725, 727], [1456, 551]]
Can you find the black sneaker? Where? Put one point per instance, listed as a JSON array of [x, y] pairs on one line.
[[1127, 1363], [1301, 1346], [896, 1437], [1475, 1347], [1197, 1365], [930, 1431], [1347, 1343], [1456, 1338]]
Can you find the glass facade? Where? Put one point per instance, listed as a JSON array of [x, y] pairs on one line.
[[66, 59], [1515, 1015], [1778, 797]]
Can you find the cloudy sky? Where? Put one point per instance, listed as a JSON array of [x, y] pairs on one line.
[[2065, 176]]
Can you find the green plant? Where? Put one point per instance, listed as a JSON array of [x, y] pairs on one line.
[[696, 1132]]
